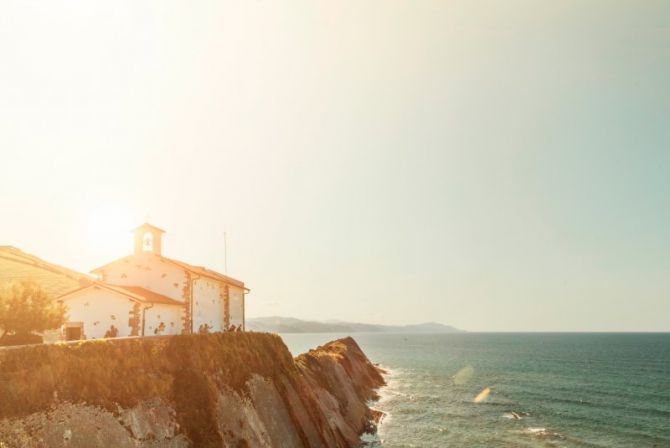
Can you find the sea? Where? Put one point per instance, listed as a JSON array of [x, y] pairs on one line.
[[517, 389]]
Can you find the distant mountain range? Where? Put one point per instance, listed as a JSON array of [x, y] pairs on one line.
[[277, 324]]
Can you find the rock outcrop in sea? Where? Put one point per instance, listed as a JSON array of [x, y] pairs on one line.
[[216, 390]]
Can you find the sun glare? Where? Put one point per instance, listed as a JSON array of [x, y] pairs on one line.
[[107, 230]]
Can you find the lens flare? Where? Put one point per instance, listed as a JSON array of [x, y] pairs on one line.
[[482, 395], [464, 375]]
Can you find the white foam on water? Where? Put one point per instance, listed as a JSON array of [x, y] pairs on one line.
[[543, 433], [513, 415], [387, 394]]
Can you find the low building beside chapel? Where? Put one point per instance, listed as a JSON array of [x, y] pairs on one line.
[[147, 294]]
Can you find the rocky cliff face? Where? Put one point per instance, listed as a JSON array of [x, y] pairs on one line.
[[219, 390]]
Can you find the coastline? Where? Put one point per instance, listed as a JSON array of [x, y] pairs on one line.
[[573, 390], [226, 389], [380, 409]]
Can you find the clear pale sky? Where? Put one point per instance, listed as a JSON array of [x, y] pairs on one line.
[[493, 165]]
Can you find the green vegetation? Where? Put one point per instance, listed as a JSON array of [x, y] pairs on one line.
[[189, 372], [26, 308], [186, 370]]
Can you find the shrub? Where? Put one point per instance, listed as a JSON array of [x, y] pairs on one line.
[[26, 308]]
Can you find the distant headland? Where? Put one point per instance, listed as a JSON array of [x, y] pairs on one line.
[[278, 324]]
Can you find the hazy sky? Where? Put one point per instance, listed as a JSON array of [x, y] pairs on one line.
[[494, 165]]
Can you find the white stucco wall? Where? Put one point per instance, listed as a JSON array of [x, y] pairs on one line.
[[170, 315], [207, 305], [236, 303], [148, 271], [98, 309]]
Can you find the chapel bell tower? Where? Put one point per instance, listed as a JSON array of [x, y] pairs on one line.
[[148, 239]]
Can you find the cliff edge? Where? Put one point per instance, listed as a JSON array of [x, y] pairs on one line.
[[217, 390]]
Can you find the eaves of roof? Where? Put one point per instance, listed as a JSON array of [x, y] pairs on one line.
[[135, 293], [198, 270]]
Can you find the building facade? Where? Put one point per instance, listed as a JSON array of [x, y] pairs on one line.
[[147, 294]]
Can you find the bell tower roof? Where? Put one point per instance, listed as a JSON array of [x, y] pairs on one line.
[[148, 239], [148, 228]]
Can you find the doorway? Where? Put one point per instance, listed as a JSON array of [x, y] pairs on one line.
[[74, 331]]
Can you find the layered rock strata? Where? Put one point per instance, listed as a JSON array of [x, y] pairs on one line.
[[217, 390]]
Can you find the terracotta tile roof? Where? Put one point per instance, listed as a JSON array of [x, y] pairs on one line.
[[146, 225], [135, 293], [199, 270], [206, 272], [16, 265], [149, 296]]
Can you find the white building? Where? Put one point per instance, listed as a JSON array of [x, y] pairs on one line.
[[147, 294]]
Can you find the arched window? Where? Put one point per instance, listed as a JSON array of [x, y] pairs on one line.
[[148, 242]]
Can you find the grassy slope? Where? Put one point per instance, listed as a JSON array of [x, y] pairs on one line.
[[185, 370], [16, 265], [188, 372]]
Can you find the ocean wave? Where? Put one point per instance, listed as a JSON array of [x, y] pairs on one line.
[[543, 433], [387, 394], [428, 402], [514, 415]]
